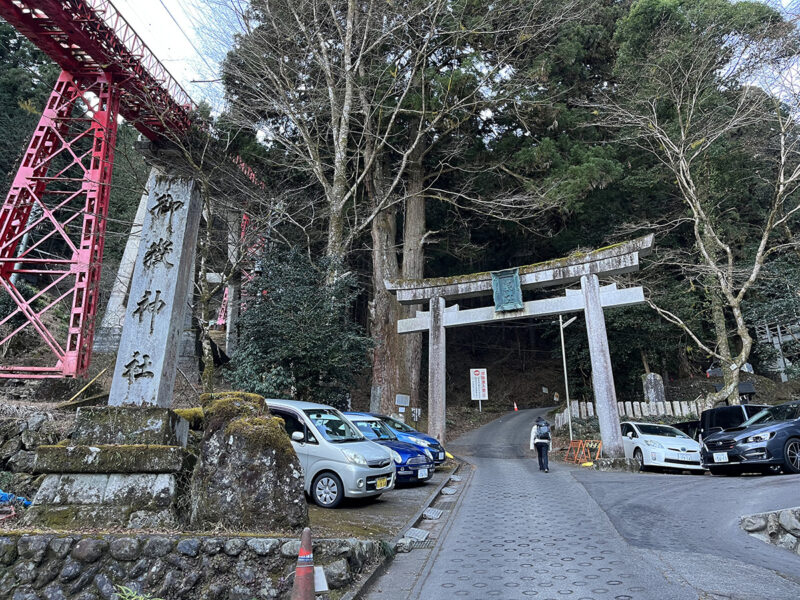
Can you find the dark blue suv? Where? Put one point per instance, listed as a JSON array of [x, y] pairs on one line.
[[768, 440]]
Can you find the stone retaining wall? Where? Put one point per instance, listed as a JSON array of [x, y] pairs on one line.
[[780, 528], [88, 567], [19, 439]]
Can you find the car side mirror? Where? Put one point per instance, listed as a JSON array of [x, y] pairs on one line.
[[297, 436], [630, 435]]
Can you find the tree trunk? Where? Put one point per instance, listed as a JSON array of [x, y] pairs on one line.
[[414, 229], [730, 377], [204, 298], [645, 364], [384, 311]]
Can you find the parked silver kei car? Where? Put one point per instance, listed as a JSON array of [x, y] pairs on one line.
[[338, 461]]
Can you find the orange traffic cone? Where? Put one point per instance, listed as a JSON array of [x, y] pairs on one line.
[[515, 406], [303, 588]]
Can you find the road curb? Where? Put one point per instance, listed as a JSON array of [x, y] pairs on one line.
[[378, 570]]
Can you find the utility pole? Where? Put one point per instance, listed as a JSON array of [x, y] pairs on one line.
[[562, 326]]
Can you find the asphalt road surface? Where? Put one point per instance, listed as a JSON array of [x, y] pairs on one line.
[[574, 533]]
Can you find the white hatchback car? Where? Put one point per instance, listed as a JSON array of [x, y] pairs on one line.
[[654, 445]]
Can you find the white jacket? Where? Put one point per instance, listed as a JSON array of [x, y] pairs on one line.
[[535, 440]]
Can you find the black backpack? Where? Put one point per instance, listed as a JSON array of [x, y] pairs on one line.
[[543, 431]]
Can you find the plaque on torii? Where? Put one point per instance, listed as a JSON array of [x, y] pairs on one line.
[[586, 268]]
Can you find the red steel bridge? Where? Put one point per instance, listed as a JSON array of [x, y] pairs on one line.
[[53, 221]]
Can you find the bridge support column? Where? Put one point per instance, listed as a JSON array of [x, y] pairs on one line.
[[602, 375], [436, 371], [148, 351]]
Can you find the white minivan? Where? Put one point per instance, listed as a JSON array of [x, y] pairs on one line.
[[338, 461]]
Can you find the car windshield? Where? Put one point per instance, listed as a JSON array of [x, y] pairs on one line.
[[399, 425], [333, 426], [662, 430], [772, 414], [375, 430]]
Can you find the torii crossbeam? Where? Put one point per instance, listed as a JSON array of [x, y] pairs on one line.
[[591, 299]]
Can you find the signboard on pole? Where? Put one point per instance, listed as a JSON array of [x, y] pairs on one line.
[[479, 385]]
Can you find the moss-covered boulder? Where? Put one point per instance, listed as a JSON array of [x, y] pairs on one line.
[[247, 476]]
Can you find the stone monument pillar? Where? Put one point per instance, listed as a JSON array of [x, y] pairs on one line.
[[121, 469], [436, 371], [148, 351], [110, 331], [602, 375]]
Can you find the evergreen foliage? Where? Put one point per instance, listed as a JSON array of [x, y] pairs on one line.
[[298, 339]]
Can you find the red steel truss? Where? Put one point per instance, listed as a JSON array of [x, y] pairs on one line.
[[53, 221]]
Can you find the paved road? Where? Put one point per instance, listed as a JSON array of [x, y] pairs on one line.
[[572, 533]]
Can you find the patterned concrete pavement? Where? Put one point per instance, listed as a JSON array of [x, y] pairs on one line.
[[517, 533]]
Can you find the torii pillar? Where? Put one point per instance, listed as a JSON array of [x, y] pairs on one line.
[[437, 384]]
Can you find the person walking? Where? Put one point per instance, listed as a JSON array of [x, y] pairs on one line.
[[540, 441]]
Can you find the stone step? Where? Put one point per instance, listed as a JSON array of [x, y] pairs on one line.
[[129, 425], [135, 458]]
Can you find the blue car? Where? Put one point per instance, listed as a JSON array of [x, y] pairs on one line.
[[768, 440], [408, 434], [411, 462]]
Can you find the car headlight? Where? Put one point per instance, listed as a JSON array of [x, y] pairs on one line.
[[354, 457], [653, 444], [397, 458], [760, 437], [418, 441]]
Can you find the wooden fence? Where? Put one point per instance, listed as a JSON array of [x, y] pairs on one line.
[[633, 410]]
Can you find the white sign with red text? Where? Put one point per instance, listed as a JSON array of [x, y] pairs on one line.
[[479, 384]]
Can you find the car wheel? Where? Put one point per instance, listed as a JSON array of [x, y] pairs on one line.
[[639, 457], [791, 456], [327, 490]]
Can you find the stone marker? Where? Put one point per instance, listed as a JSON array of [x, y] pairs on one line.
[[653, 388], [148, 351]]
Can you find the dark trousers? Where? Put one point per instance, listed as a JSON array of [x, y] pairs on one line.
[[541, 452]]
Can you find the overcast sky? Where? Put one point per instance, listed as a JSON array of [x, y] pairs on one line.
[[152, 21]]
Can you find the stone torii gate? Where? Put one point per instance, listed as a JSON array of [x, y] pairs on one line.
[[507, 286]]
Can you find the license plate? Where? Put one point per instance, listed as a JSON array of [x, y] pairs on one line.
[[720, 457], [422, 473], [441, 455], [381, 483], [684, 457]]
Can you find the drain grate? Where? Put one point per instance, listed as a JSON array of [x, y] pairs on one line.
[[422, 545], [418, 535], [432, 513]]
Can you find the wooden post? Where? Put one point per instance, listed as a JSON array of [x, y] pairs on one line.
[[436, 370], [602, 375]]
